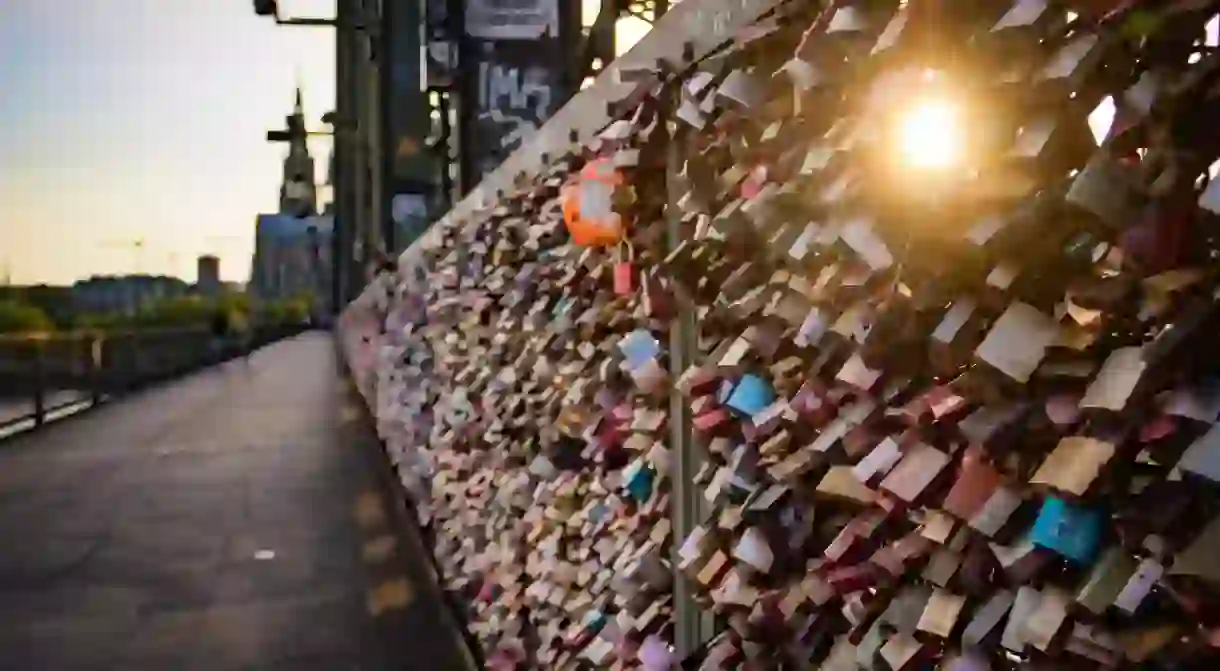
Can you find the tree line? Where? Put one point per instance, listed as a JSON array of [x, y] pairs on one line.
[[22, 316]]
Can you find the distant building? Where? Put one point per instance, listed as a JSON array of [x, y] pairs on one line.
[[292, 257], [292, 247], [124, 294], [207, 277]]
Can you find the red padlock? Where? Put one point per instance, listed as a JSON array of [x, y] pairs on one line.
[[624, 270], [658, 301]]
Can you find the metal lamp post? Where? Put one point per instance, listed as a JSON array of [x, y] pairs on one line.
[[271, 8]]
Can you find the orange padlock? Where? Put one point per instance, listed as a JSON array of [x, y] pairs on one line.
[[624, 269], [588, 206]]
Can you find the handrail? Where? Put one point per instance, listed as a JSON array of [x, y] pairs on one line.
[[91, 332], [41, 368]]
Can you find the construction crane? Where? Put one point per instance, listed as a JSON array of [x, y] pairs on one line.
[[135, 245], [139, 248]]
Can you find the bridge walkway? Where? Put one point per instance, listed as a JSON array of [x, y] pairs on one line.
[[230, 520]]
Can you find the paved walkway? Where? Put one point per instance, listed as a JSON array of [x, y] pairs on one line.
[[231, 520]]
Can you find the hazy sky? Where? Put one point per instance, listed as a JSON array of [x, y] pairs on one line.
[[145, 119], [123, 119]]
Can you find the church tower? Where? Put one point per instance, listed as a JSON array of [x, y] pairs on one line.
[[298, 193]]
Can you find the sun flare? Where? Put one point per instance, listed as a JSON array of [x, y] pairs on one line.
[[930, 134]]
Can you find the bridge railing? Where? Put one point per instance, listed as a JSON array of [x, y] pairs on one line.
[[395, 370], [768, 435], [44, 375]]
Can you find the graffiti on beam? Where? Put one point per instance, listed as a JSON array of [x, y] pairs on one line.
[[514, 52], [517, 98], [515, 87]]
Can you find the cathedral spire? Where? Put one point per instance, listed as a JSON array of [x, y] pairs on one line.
[[298, 106], [297, 192]]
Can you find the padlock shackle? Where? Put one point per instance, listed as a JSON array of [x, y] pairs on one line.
[[626, 240]]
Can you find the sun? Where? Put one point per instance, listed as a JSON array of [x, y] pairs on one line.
[[930, 134]]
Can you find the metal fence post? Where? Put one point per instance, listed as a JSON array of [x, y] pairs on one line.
[[40, 382], [131, 366], [693, 626], [95, 368]]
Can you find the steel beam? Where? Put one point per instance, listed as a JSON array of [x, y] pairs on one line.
[[692, 626], [704, 24]]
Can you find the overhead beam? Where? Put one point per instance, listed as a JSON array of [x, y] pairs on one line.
[[703, 24]]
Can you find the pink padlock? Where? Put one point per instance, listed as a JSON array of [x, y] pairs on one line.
[[624, 270], [754, 182]]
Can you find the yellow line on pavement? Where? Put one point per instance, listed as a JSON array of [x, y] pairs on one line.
[[350, 413], [390, 595], [369, 511], [378, 550]]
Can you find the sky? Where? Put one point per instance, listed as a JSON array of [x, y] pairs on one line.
[[127, 120], [130, 119]]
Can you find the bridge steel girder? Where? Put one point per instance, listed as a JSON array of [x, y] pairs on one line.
[[703, 24]]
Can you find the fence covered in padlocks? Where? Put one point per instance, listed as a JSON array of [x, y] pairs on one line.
[[906, 357]]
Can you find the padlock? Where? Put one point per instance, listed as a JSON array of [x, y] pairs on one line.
[[1071, 530], [749, 396], [881, 442], [624, 269], [658, 298], [588, 205]]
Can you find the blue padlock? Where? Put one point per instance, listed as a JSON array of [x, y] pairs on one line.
[[562, 314], [751, 395], [562, 307], [595, 621], [639, 347], [599, 512], [1068, 529], [638, 479]]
